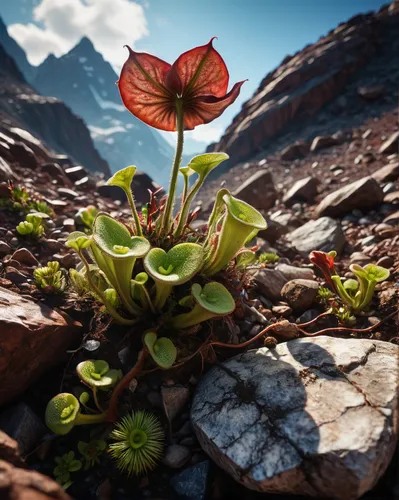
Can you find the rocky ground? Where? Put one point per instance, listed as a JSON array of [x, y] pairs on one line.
[[309, 207]]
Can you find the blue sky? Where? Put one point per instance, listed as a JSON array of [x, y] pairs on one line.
[[253, 35]]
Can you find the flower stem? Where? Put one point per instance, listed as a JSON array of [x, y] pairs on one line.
[[136, 218], [112, 412], [175, 170]]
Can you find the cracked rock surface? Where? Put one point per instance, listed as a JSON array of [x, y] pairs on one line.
[[315, 417]]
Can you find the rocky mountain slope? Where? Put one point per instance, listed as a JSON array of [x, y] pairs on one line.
[[327, 86], [86, 82], [47, 118]]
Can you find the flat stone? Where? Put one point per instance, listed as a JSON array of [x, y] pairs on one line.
[[304, 190], [391, 145], [24, 256], [23, 425], [387, 173], [314, 417], [27, 327], [323, 234], [323, 141], [192, 483], [362, 194], [270, 282], [300, 293], [258, 190], [360, 258], [293, 272], [294, 151], [173, 400], [67, 193], [176, 456]]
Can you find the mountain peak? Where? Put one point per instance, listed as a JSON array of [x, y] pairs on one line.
[[85, 45]]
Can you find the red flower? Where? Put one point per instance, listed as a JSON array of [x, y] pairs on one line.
[[325, 262], [150, 87]]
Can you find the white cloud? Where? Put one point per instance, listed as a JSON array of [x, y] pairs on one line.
[[204, 134], [109, 24]]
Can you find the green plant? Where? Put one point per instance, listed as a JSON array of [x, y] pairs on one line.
[[268, 258], [50, 278], [162, 350], [87, 216], [138, 443], [63, 413], [20, 199], [91, 451], [65, 465], [139, 270], [32, 226], [355, 294]]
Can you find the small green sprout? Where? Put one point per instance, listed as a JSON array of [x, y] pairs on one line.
[[138, 443], [63, 413], [344, 315], [79, 283], [50, 278], [268, 258], [324, 294], [211, 301], [78, 241], [24, 228], [65, 465], [162, 350], [87, 216], [42, 207], [32, 226], [91, 451]]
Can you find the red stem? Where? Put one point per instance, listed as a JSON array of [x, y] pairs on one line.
[[112, 413]]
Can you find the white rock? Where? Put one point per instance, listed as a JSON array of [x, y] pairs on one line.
[[314, 417]]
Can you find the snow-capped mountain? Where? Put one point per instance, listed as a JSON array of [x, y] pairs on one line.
[[86, 82]]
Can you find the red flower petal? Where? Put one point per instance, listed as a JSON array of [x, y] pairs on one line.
[[203, 71], [141, 85], [207, 108]]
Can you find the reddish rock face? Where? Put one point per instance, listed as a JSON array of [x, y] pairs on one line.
[[305, 82], [33, 338], [258, 190], [22, 484]]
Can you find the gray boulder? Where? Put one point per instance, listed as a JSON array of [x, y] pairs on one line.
[[323, 234], [315, 417]]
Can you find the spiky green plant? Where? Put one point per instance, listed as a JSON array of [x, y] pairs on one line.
[[138, 443], [50, 278]]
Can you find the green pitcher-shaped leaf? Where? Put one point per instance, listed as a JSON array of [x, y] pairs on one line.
[[239, 222], [115, 252], [172, 268], [212, 300], [162, 350]]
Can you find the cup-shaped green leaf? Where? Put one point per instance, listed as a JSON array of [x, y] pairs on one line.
[[240, 221], [205, 163], [162, 350], [371, 272], [78, 241], [123, 178], [368, 277], [115, 252], [96, 373], [211, 300], [63, 413], [172, 268]]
